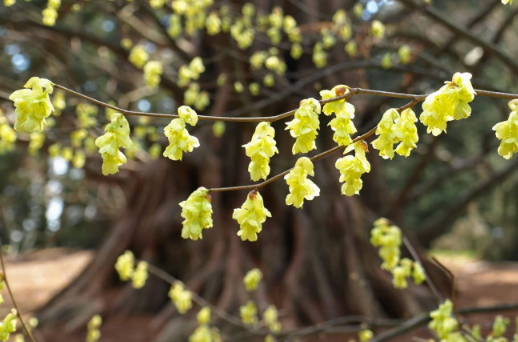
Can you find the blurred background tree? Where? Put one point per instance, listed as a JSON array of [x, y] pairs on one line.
[[317, 262]]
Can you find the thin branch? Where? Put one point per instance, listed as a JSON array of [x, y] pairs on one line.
[[352, 92], [429, 280], [461, 31], [159, 273], [11, 295]]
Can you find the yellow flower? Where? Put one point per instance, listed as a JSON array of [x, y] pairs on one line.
[[505, 2], [507, 132], [405, 53], [203, 316], [352, 168], [248, 313], [252, 279], [197, 212], [251, 216], [179, 139], [448, 103], [260, 149], [271, 318], [377, 29], [181, 297], [93, 332], [138, 56], [116, 136], [152, 73], [387, 134], [140, 275], [406, 132], [388, 238], [342, 124], [8, 325], [125, 265], [300, 186], [305, 125], [33, 105]]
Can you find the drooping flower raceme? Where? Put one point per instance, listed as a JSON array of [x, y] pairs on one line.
[[271, 319], [260, 149], [248, 313], [386, 134], [448, 103], [152, 72], [179, 139], [394, 128], [197, 214], [33, 105], [342, 124], [388, 238], [93, 329], [252, 279], [125, 265], [406, 132], [251, 216], [138, 280], [138, 56], [8, 325], [305, 125], [507, 132], [352, 168], [117, 135], [181, 297], [300, 186], [443, 322]]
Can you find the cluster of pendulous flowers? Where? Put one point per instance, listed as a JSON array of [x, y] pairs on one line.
[[180, 140], [396, 133], [388, 238], [260, 149], [125, 267]]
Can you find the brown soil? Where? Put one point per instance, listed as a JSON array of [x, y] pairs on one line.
[[38, 276]]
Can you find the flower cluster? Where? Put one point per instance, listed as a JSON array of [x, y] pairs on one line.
[[443, 322], [251, 216], [507, 132], [342, 124], [352, 168], [388, 239], [197, 214], [252, 279], [271, 319], [7, 135], [138, 280], [179, 139], [117, 135], [138, 56], [152, 72], [181, 297], [190, 72], [33, 105], [125, 267], [394, 128], [305, 125], [8, 325], [93, 329], [50, 13], [248, 313], [448, 103], [300, 186], [260, 149]]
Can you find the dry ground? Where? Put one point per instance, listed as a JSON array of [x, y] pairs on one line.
[[38, 276]]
